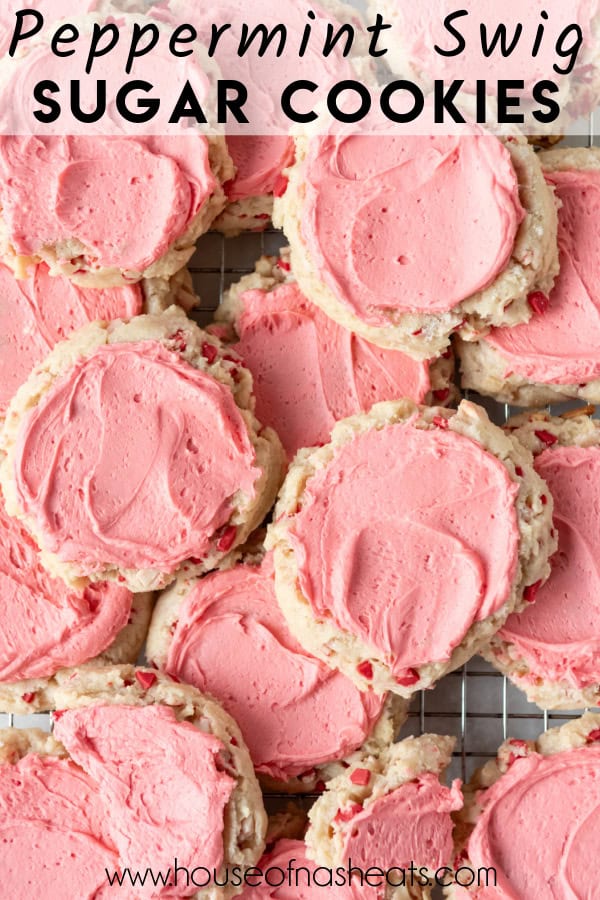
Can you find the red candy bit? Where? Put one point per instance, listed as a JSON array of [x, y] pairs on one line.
[[58, 714], [442, 395], [410, 677], [233, 742], [417, 332], [320, 787], [28, 697], [447, 354], [365, 669], [593, 736], [345, 815], [360, 777], [227, 539], [546, 437], [262, 216], [145, 679], [539, 302], [544, 499], [209, 352], [441, 422], [283, 264], [280, 186], [519, 471], [530, 592], [179, 340]]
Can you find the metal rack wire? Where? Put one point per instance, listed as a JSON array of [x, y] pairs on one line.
[[476, 704]]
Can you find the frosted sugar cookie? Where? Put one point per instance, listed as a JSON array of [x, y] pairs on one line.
[[554, 356], [132, 451], [393, 813], [138, 772], [550, 650], [299, 717], [127, 208], [403, 545], [532, 816], [407, 239]]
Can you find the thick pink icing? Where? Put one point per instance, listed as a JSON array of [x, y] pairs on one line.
[[407, 538], [161, 781], [408, 224], [294, 712], [43, 624], [133, 458], [39, 311], [55, 832], [259, 161], [539, 828], [126, 199], [558, 636], [561, 345], [293, 853], [411, 824], [310, 372]]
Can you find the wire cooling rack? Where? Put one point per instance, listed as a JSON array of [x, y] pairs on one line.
[[476, 704]]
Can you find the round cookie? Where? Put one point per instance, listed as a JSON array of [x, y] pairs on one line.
[[406, 240], [46, 627], [308, 371], [302, 721], [261, 157], [403, 545], [152, 770], [108, 203], [551, 649], [532, 815], [132, 452], [172, 183], [555, 356], [391, 812]]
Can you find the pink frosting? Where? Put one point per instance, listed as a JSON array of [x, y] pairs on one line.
[[558, 635], [309, 372], [43, 624], [39, 311], [259, 161], [539, 828], [294, 711], [162, 783], [411, 824], [133, 458], [407, 538], [286, 853], [125, 199], [397, 224], [561, 345], [54, 830]]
